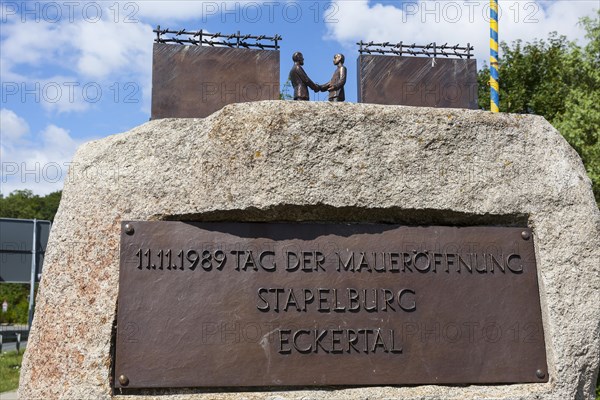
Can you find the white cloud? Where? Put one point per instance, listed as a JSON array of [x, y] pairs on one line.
[[59, 142], [96, 43], [12, 127], [108, 49], [41, 164], [455, 22], [170, 11], [87, 47], [33, 42], [194, 10], [71, 53]]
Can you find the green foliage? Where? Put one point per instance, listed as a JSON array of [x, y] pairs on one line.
[[16, 295], [559, 80], [285, 91], [580, 121], [10, 368], [24, 204]]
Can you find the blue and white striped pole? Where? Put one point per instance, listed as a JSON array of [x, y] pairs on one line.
[[494, 86]]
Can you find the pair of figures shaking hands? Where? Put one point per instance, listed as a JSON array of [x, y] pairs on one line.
[[301, 82]]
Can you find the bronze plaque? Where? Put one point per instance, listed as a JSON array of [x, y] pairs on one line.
[[196, 81], [269, 304], [417, 81]]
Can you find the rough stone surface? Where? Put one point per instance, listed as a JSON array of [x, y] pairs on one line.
[[288, 161]]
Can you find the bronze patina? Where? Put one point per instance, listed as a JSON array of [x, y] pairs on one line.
[[274, 304], [432, 75], [195, 73], [335, 86], [300, 80]]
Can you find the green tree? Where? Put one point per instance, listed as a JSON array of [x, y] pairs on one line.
[[285, 91], [16, 296], [24, 204], [559, 80], [579, 122]]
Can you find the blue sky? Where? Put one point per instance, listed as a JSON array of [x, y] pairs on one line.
[[74, 71]]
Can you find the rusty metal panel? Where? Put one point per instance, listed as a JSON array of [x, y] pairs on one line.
[[268, 304], [195, 81], [417, 81]]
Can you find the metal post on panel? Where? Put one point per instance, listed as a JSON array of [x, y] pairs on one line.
[[33, 271]]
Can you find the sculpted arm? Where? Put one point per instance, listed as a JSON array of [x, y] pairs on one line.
[[341, 82], [307, 80]]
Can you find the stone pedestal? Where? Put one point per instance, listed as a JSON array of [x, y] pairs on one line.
[[300, 161]]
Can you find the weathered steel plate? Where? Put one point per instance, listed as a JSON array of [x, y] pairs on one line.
[[195, 81], [267, 304], [417, 81]]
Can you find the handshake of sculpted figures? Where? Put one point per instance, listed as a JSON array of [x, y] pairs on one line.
[[301, 82]]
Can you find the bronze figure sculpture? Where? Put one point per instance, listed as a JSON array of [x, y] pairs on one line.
[[301, 81], [336, 85]]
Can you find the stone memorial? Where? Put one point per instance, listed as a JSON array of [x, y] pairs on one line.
[[297, 250]]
